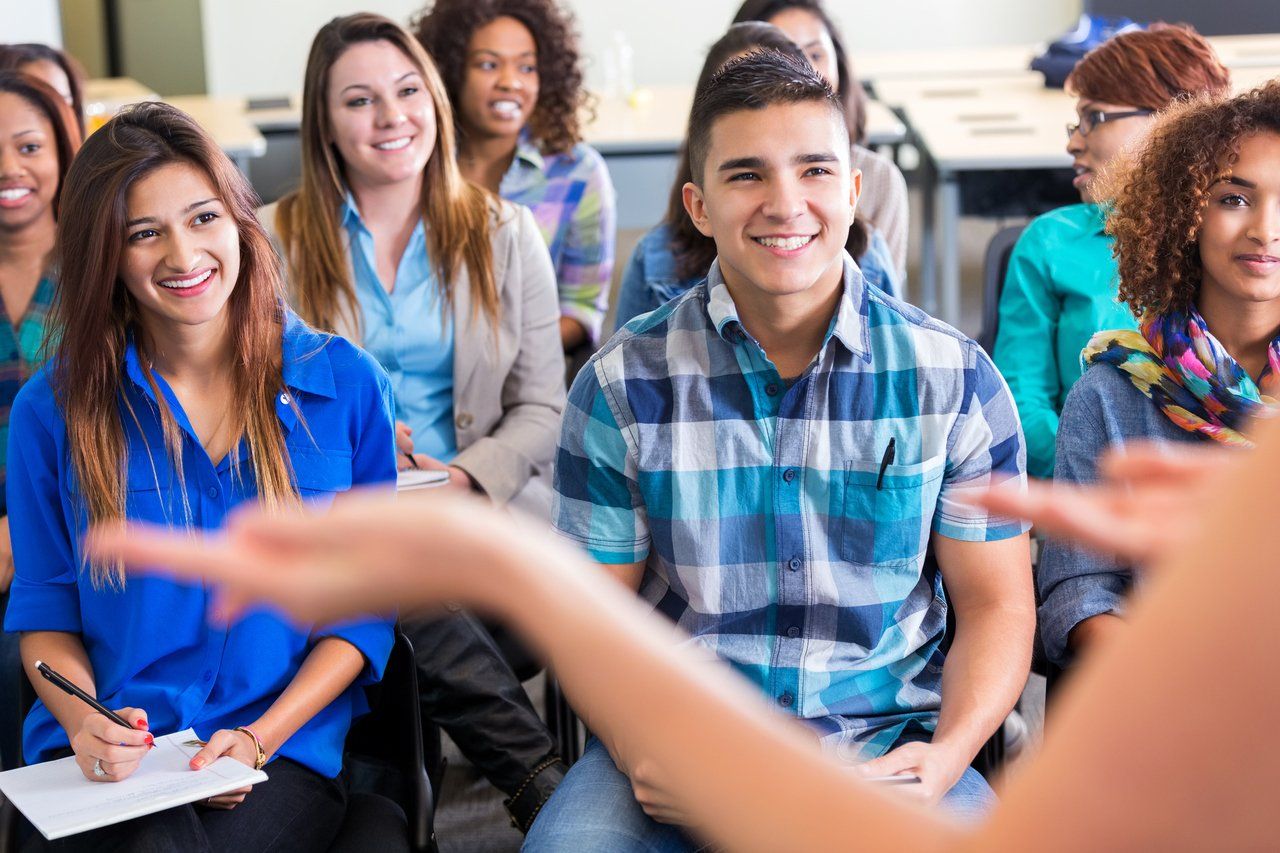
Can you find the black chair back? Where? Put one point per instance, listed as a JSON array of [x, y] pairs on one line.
[[386, 752], [994, 269]]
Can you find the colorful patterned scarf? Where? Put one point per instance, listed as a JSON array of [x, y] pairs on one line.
[[1181, 367]]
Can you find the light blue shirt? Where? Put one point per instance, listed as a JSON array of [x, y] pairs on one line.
[[410, 332]]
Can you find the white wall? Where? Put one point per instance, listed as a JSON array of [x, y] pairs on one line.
[[256, 47], [30, 20]]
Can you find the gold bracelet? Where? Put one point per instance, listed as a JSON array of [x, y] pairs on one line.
[[261, 760]]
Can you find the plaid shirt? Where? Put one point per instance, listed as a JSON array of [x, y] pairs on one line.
[[572, 200], [20, 357], [779, 531]]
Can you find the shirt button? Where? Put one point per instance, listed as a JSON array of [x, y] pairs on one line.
[[771, 389], [284, 399], [464, 420], [789, 474], [213, 491], [793, 632], [794, 564], [208, 675], [786, 699]]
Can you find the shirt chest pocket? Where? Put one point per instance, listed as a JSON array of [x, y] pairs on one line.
[[886, 516], [152, 492], [321, 474]]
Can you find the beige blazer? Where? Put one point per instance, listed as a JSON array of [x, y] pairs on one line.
[[508, 386]]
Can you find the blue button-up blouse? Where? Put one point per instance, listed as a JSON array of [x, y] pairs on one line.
[[149, 643]]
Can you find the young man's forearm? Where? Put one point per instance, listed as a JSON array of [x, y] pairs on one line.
[[985, 672]]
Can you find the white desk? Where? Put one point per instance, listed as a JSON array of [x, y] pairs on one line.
[[995, 61], [223, 118], [989, 123], [1248, 51], [653, 122], [226, 121]]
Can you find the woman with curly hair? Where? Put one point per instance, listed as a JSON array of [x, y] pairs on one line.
[[1196, 223], [1060, 287], [511, 68], [883, 202]]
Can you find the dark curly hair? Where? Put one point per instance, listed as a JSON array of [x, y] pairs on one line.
[[1159, 199], [445, 29]]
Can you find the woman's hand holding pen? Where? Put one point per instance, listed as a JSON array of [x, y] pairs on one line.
[[108, 752], [459, 480], [237, 745]]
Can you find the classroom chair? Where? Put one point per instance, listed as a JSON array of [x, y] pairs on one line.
[[994, 268], [392, 779]]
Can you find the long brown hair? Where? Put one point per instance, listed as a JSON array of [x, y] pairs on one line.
[[66, 134], [458, 214], [15, 57], [97, 315], [693, 250]]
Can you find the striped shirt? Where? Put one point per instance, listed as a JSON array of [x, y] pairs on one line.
[[573, 202], [779, 527], [20, 357]]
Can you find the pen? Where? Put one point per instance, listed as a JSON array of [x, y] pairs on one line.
[[893, 780], [412, 461], [886, 461], [67, 687]]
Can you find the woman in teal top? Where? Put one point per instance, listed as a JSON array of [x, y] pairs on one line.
[[1062, 280]]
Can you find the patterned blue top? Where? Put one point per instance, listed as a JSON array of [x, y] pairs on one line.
[[779, 530], [149, 644], [409, 332]]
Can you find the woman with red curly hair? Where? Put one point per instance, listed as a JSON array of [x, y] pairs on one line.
[[1196, 224], [1061, 283], [512, 71]]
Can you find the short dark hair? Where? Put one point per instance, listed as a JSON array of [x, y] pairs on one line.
[[760, 79], [851, 93]]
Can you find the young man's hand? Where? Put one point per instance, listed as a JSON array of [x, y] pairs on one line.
[[939, 768], [647, 784]]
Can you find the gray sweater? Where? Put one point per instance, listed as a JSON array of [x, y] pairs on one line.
[[1103, 409]]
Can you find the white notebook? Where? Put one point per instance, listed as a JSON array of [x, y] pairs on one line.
[[412, 479], [59, 801]]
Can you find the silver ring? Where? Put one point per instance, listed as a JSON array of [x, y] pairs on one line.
[[97, 768]]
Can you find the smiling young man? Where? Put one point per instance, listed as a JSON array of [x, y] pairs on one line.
[[767, 459]]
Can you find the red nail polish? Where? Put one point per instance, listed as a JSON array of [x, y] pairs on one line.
[[196, 764], [150, 741], [141, 724]]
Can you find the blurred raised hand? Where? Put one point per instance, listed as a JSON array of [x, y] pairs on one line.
[[1148, 501]]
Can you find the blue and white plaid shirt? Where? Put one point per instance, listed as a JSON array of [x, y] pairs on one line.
[[779, 529]]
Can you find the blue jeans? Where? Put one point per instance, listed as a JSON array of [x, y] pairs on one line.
[[593, 811], [10, 672]]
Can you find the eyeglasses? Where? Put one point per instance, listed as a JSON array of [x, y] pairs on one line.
[[1090, 120]]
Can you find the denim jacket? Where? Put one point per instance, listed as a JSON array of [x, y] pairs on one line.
[[651, 279]]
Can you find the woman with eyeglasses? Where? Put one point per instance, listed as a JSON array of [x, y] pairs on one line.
[[1061, 284]]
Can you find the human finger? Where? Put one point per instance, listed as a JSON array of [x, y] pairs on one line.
[[106, 730], [218, 745]]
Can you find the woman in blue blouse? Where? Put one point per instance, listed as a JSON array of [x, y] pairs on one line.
[[180, 389], [674, 256]]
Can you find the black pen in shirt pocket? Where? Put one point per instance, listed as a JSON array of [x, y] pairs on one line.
[[890, 452]]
